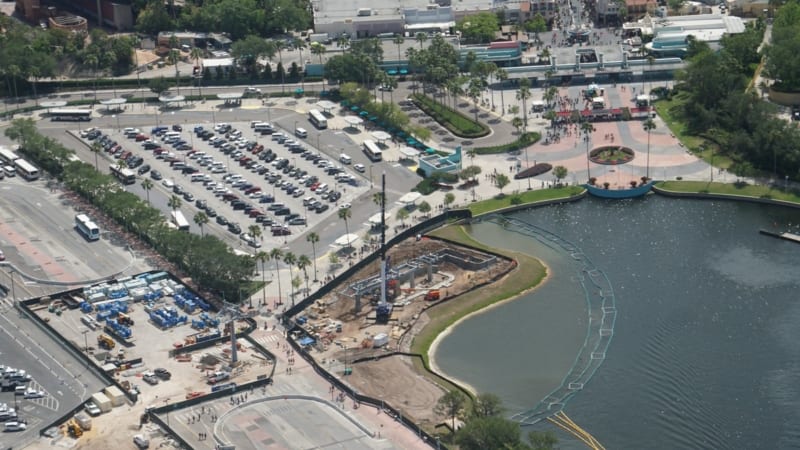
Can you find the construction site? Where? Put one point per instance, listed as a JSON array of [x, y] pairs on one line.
[[157, 339], [352, 331]]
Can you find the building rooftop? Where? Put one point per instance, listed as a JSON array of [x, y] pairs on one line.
[[364, 10]]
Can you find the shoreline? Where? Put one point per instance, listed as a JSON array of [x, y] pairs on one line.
[[432, 349]]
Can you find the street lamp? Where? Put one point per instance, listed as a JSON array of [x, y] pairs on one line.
[[86, 345]]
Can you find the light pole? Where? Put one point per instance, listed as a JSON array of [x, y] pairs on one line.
[[86, 345], [528, 166]]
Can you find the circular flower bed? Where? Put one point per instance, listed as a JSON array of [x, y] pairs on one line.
[[611, 155]]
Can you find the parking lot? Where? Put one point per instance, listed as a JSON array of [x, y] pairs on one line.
[[239, 174]]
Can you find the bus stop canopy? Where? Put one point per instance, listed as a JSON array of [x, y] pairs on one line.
[[375, 219], [409, 152], [326, 105], [54, 104], [346, 240], [353, 121], [230, 95], [170, 100], [409, 199], [381, 136], [114, 101]]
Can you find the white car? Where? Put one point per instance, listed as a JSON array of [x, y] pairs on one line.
[[252, 90], [359, 167], [345, 206], [32, 393], [92, 409], [15, 426], [168, 183]]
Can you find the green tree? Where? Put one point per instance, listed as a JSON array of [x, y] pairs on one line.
[[200, 219], [486, 405], [276, 254], [302, 263], [648, 125], [263, 257], [96, 149], [153, 18], [502, 76], [345, 214], [174, 203], [158, 85], [490, 432], [451, 405], [501, 180], [560, 172], [174, 58], [523, 94], [313, 238], [675, 5], [424, 207], [449, 198], [542, 440], [421, 37], [518, 123], [402, 215], [478, 28], [290, 259], [146, 185], [536, 25], [398, 41], [586, 130]]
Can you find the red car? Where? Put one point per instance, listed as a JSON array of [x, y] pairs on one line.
[[142, 137]]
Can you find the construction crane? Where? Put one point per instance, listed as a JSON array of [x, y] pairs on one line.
[[228, 315]]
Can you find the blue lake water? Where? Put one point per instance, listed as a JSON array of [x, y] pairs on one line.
[[706, 348]]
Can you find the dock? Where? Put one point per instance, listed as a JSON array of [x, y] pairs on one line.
[[785, 236]]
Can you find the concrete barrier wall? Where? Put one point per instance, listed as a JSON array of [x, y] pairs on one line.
[[729, 197]]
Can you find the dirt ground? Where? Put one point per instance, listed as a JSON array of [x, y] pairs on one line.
[[394, 379]]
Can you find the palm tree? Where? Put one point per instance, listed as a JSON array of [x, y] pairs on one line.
[[524, 93], [263, 257], [276, 255], [255, 232], [421, 38], [650, 61], [649, 125], [200, 219], [300, 44], [280, 45], [146, 185], [96, 148], [174, 57], [319, 50], [502, 76], [344, 214], [302, 263], [91, 61], [587, 129], [398, 41], [313, 238], [197, 54], [290, 259], [174, 202]]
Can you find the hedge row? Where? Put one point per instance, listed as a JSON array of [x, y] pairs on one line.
[[455, 122]]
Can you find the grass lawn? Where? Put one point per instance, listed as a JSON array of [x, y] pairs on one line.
[[691, 142], [538, 195], [454, 121], [730, 189], [528, 273]]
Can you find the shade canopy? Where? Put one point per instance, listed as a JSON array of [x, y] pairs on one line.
[[409, 199], [409, 152], [346, 240], [354, 120], [375, 219], [381, 135]]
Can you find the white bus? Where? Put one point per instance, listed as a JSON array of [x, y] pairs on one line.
[[26, 170], [86, 227], [372, 151], [180, 221], [317, 119], [123, 174], [7, 156], [75, 115]]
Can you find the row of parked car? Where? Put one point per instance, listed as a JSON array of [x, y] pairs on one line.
[[113, 148]]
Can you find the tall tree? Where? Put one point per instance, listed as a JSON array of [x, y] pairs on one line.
[[201, 219], [648, 125], [96, 149], [345, 214], [290, 259], [263, 257], [502, 76], [313, 238], [451, 405], [276, 254], [501, 180], [398, 41], [147, 185], [302, 263], [421, 38], [174, 202], [523, 94], [586, 130]]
